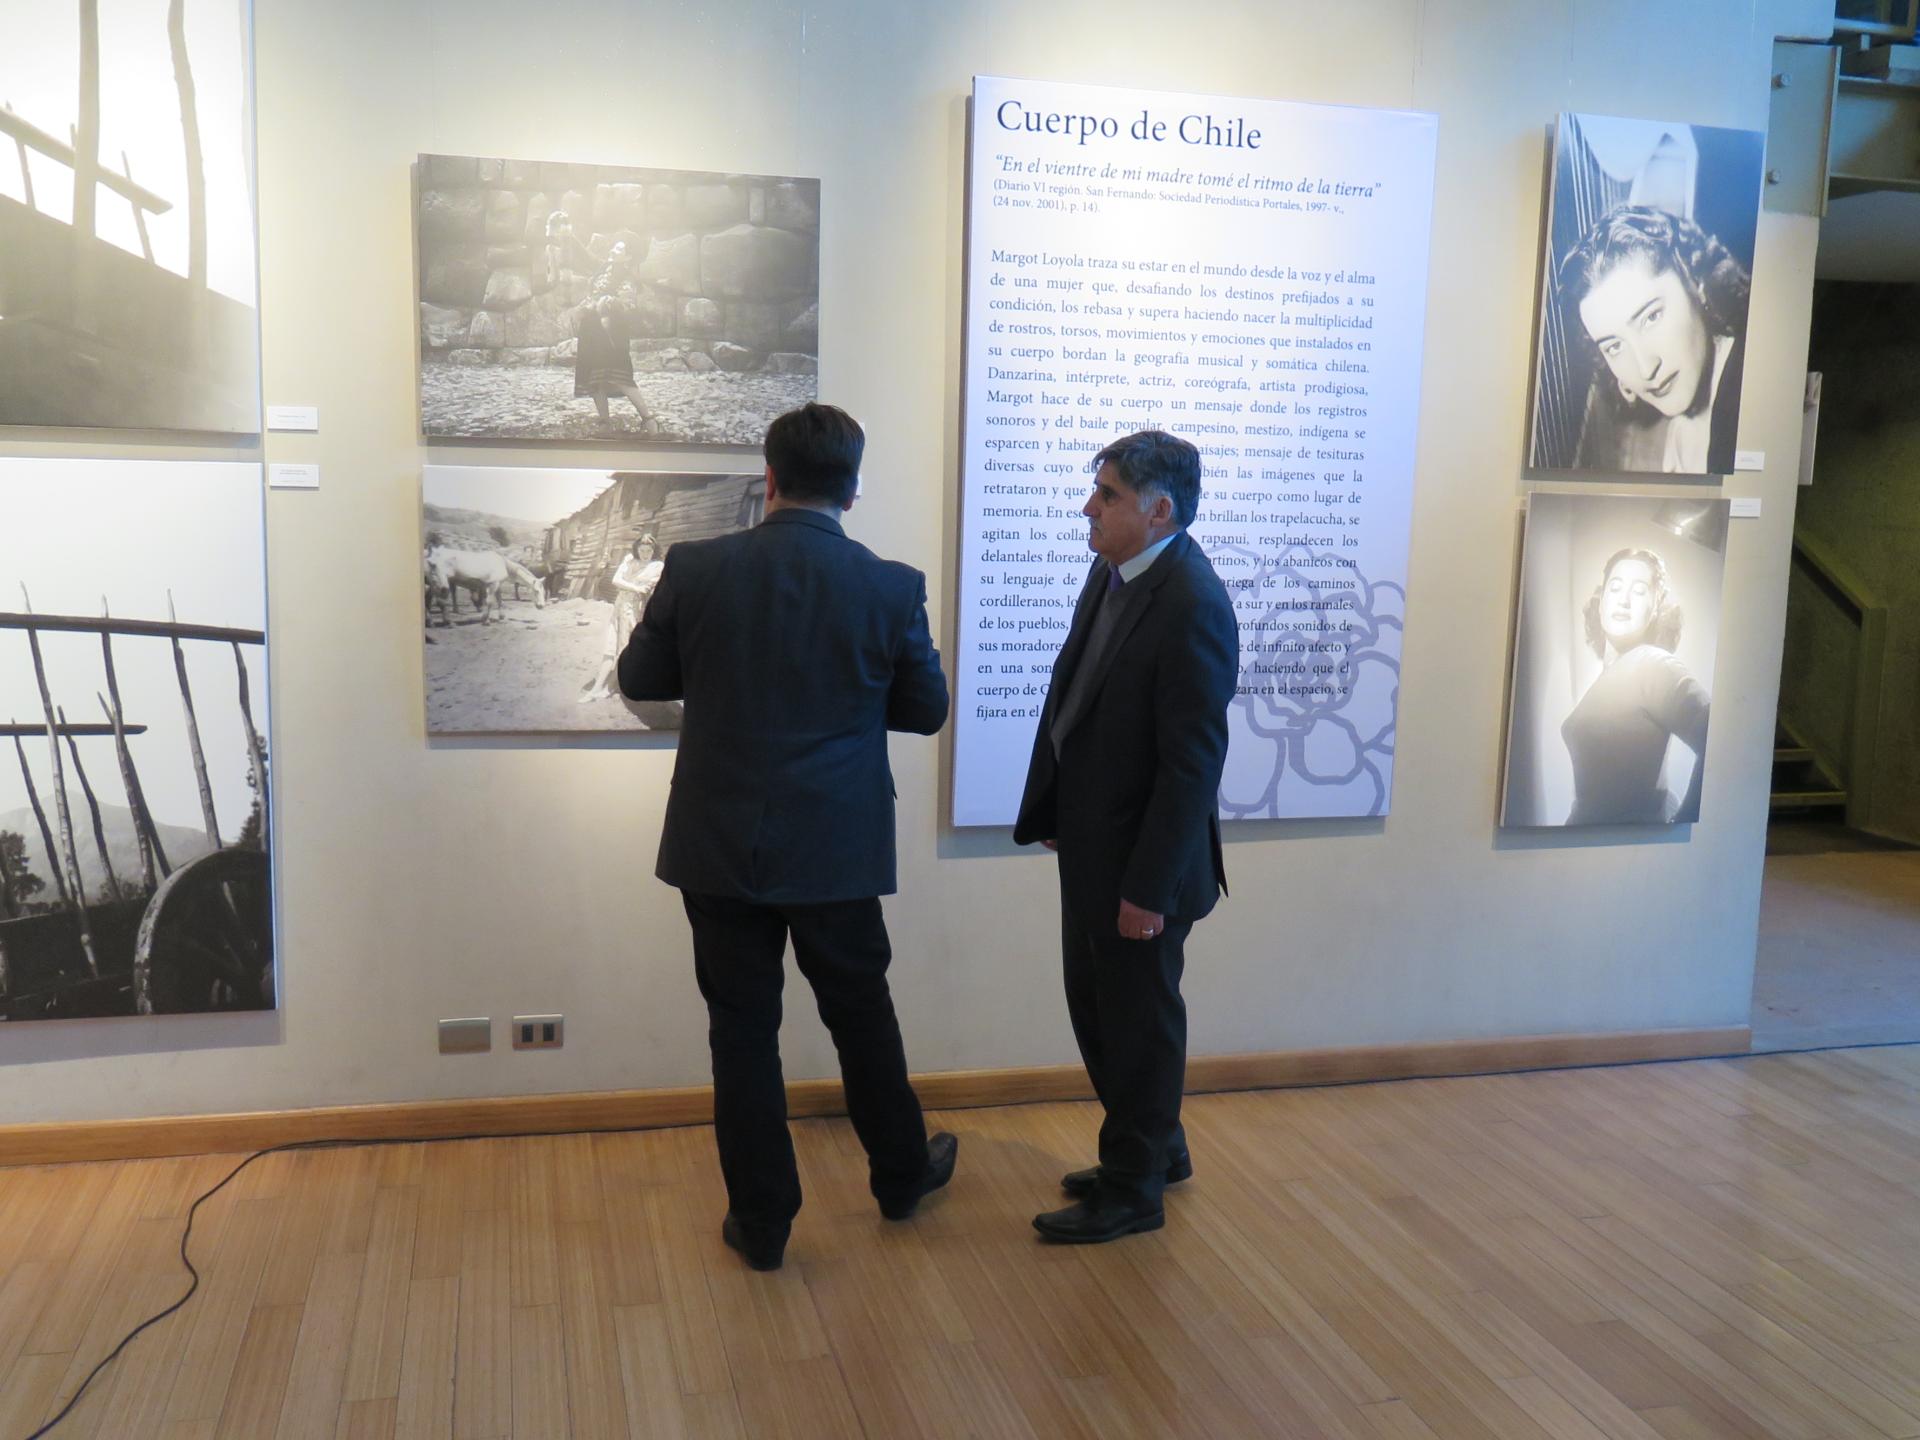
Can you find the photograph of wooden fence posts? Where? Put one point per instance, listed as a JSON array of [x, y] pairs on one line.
[[196, 936], [135, 865]]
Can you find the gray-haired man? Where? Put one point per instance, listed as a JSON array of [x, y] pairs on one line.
[[1124, 784]]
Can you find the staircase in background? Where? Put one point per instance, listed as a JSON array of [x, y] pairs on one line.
[[1827, 726], [1802, 786]]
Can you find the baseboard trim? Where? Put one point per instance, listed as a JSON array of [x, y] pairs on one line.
[[60, 1143]]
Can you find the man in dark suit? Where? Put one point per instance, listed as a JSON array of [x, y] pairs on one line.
[[1124, 784], [796, 650]]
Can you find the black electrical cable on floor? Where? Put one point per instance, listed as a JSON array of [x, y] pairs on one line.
[[193, 1287], [185, 1236], [193, 1209]]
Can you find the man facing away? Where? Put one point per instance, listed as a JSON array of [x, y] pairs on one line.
[[1124, 784], [795, 650]]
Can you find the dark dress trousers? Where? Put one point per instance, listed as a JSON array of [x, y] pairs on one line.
[[795, 650], [1125, 779]]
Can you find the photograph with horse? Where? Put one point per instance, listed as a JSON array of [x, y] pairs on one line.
[[532, 580]]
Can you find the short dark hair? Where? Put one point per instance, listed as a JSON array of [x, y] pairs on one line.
[[815, 454], [1152, 462]]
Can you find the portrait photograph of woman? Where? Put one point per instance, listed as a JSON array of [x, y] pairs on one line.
[[1613, 660], [1643, 308]]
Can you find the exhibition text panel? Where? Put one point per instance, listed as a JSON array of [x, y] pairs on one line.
[[1250, 275]]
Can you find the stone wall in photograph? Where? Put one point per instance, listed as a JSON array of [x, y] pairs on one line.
[[727, 266]]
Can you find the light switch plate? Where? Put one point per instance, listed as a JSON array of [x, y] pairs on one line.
[[466, 1036]]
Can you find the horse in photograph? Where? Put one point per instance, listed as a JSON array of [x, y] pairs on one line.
[[481, 573]]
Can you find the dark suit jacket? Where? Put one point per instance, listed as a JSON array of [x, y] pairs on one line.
[[1133, 799], [796, 650]]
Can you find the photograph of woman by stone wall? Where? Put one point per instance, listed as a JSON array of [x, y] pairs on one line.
[[578, 302], [534, 580]]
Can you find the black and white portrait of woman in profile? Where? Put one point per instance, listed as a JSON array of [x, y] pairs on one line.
[[1613, 660], [1644, 301]]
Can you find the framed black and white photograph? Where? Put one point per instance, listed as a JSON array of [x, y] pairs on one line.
[[128, 282], [570, 302], [1644, 290], [534, 580], [135, 869], [1619, 620]]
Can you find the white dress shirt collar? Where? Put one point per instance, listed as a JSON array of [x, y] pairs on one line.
[[1133, 569]]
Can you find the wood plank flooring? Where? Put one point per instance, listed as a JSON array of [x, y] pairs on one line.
[[1661, 1252], [1839, 954]]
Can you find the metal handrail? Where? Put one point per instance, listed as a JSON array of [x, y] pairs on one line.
[[1887, 28], [1826, 569]]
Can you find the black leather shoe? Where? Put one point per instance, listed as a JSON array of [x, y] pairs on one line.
[[759, 1251], [942, 1150], [1080, 1183], [1096, 1222]]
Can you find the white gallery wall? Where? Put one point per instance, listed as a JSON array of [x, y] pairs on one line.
[[489, 877]]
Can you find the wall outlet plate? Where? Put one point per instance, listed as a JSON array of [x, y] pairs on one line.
[[539, 1032], [466, 1037]]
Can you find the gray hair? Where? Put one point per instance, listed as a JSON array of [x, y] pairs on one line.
[[1152, 463]]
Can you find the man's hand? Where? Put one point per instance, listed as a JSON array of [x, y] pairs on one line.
[[1138, 924], [1051, 844]]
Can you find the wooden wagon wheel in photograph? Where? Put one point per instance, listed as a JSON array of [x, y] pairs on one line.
[[206, 937]]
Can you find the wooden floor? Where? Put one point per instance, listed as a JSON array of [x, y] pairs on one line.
[[1838, 961], [1724, 1248]]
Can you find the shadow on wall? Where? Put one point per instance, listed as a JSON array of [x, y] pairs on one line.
[[61, 1040]]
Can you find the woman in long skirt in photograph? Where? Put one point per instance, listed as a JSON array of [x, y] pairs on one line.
[[603, 359]]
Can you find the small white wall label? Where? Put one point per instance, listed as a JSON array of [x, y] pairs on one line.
[[293, 477], [1744, 507], [1749, 459], [293, 417]]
